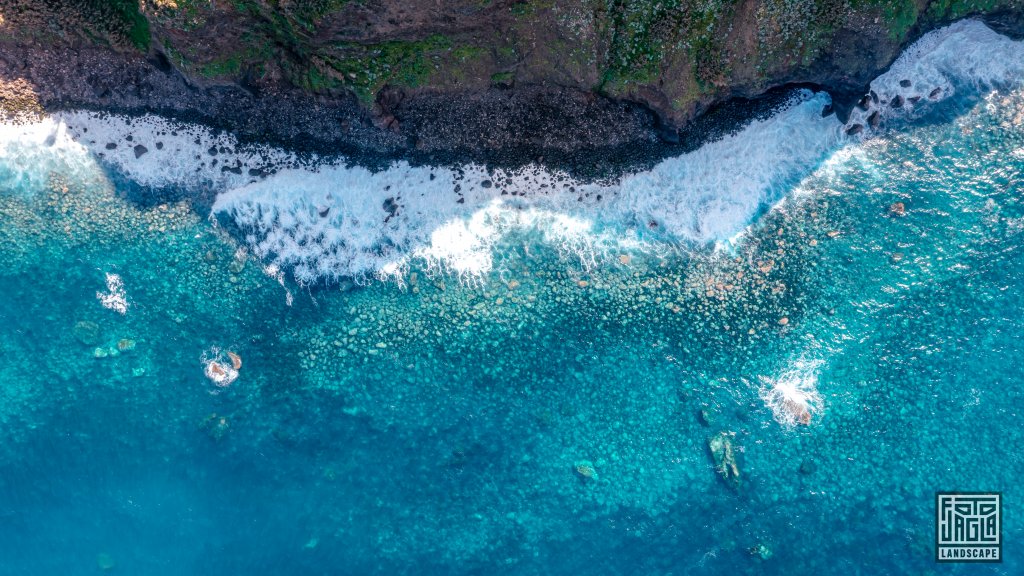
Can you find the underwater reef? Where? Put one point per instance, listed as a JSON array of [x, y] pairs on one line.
[[525, 288]]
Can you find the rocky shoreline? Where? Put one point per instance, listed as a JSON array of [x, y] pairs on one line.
[[579, 131], [583, 133]]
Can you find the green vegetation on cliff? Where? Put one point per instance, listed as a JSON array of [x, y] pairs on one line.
[[365, 69], [676, 56], [643, 33]]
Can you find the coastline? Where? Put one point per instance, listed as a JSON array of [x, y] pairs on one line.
[[584, 134]]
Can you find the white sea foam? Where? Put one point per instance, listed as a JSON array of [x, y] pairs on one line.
[[334, 221], [341, 221], [793, 395], [30, 153], [963, 59], [220, 368], [150, 150], [155, 151], [115, 298]]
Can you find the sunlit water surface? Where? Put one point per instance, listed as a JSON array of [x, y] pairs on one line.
[[546, 413]]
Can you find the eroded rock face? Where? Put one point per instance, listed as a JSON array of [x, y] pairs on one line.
[[399, 63]]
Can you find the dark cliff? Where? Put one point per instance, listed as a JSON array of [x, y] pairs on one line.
[[427, 76]]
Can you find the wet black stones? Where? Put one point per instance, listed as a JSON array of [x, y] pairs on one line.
[[236, 169], [905, 83], [159, 145], [864, 102], [897, 102], [140, 150], [323, 211], [935, 93], [111, 145], [391, 207], [854, 130], [487, 184], [212, 151], [875, 119]]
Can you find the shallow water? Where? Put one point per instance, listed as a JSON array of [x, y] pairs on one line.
[[541, 404]]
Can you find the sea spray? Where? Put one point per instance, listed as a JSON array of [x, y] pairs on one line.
[[320, 220], [793, 396], [341, 222], [957, 63]]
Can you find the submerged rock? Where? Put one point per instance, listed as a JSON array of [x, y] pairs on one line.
[[707, 416], [237, 265], [761, 551], [724, 456], [798, 410], [585, 470], [808, 467], [215, 426], [105, 562], [88, 333]]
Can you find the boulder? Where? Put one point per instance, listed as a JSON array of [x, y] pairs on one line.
[[584, 469], [724, 456]]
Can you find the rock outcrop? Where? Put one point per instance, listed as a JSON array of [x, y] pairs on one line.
[[491, 77]]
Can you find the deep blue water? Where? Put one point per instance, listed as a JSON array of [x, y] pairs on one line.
[[548, 417]]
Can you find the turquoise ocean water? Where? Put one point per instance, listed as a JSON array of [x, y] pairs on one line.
[[542, 401]]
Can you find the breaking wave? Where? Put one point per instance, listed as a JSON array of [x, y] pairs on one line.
[[322, 220], [341, 221]]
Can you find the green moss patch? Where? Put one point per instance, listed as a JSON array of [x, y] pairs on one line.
[[366, 68]]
